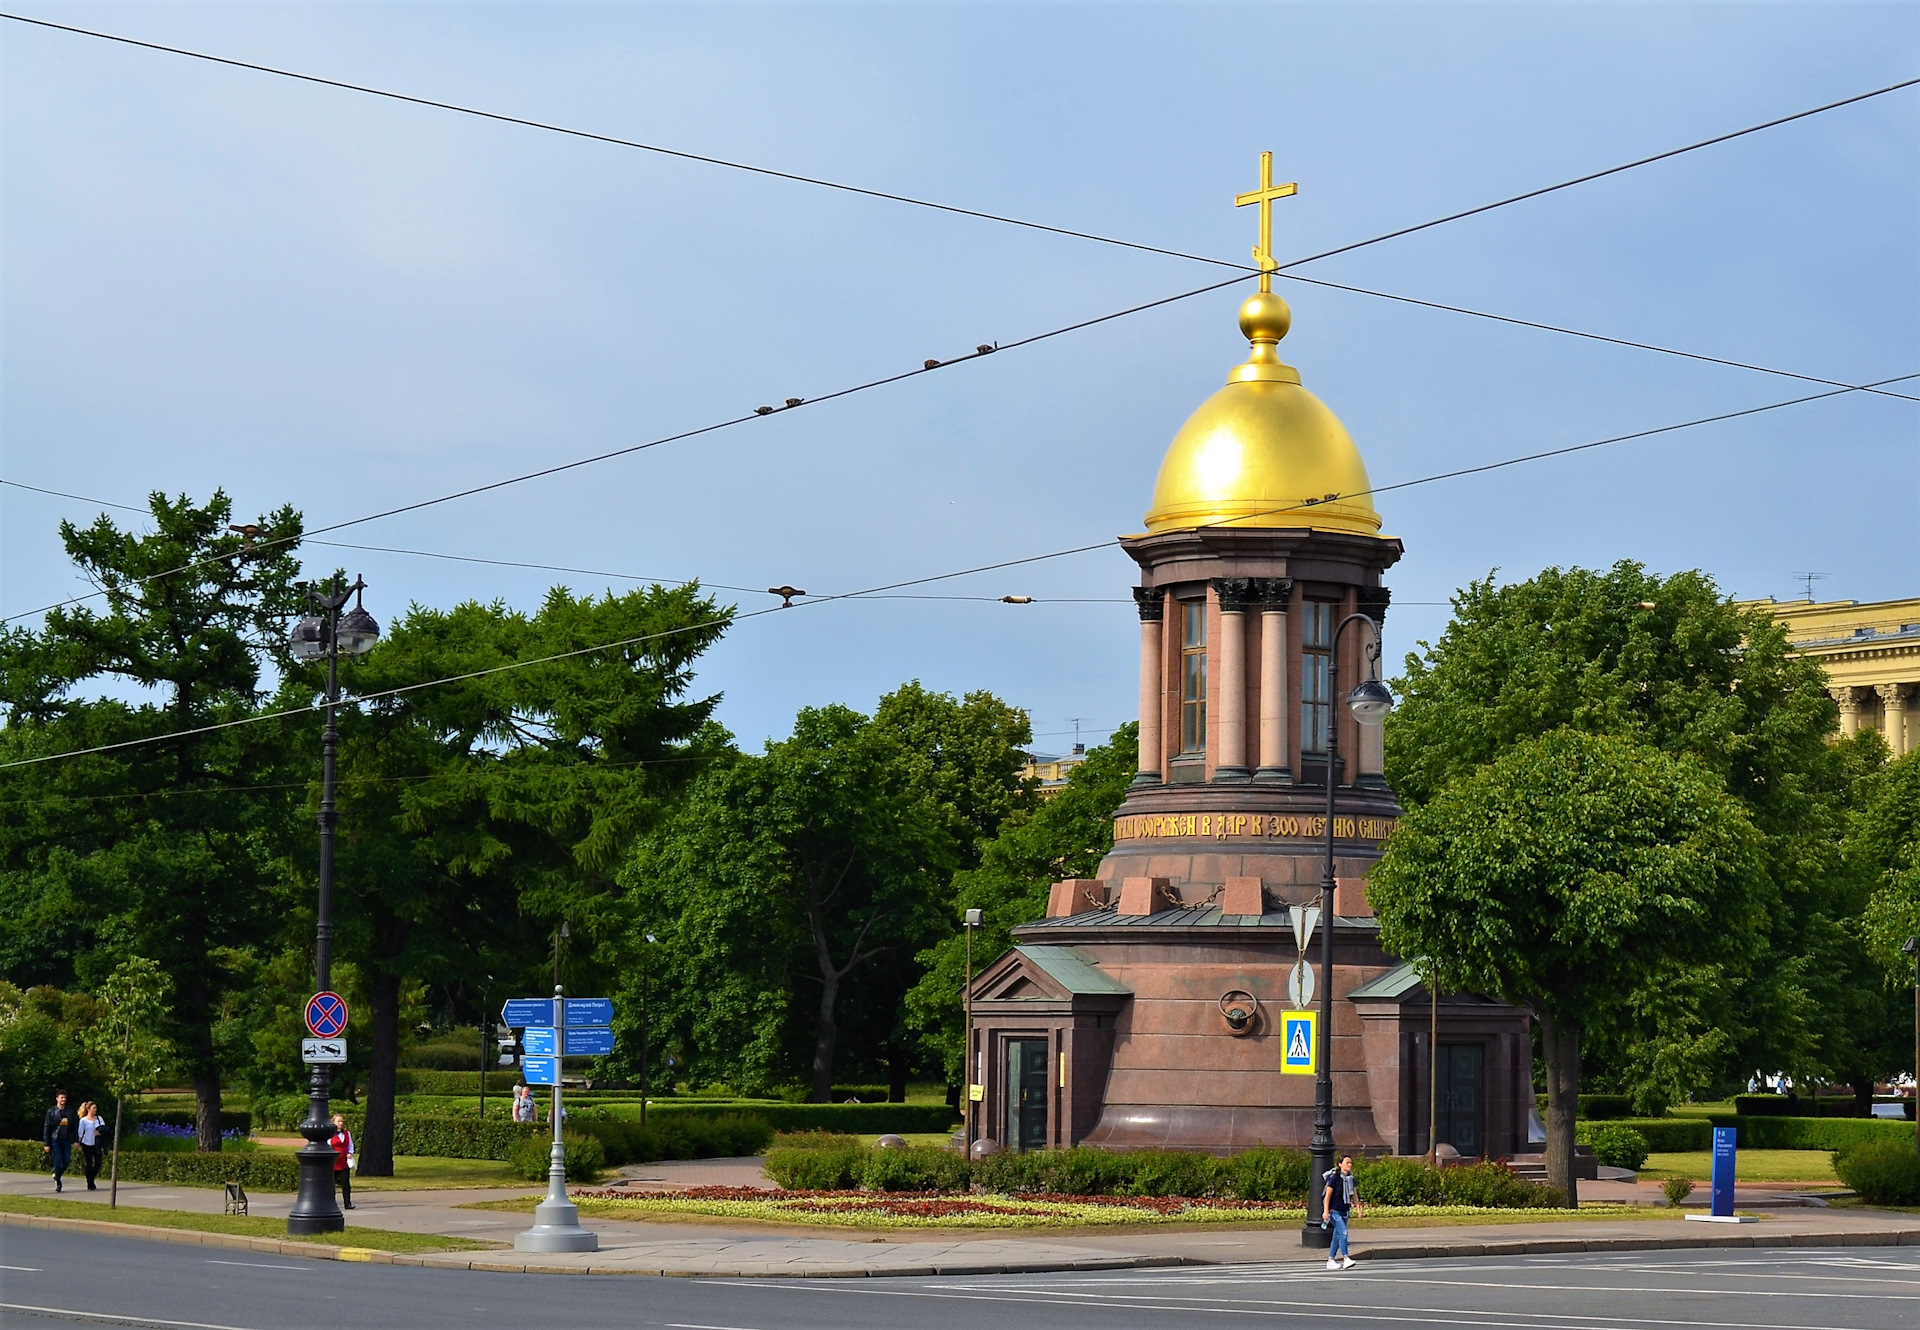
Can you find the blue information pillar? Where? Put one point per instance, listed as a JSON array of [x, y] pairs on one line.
[[1725, 1140]]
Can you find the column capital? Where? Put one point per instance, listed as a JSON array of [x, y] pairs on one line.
[[1273, 593], [1151, 601], [1235, 594], [1373, 603], [1892, 694], [1846, 695]]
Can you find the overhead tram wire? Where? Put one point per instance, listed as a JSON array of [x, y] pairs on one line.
[[875, 591], [1069, 232], [820, 182], [1243, 271]]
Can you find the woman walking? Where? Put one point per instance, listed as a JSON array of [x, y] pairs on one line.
[[91, 1125], [343, 1161], [1341, 1199]]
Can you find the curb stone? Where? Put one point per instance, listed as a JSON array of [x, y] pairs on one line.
[[1409, 1252]]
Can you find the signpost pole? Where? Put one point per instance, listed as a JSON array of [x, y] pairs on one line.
[[556, 1221]]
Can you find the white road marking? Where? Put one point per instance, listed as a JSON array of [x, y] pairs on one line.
[[259, 1265], [113, 1318], [23, 1269]]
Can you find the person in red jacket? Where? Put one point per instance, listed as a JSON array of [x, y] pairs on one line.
[[342, 1143]]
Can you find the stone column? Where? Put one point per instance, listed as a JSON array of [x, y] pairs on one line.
[[1152, 603], [1849, 710], [1372, 768], [1893, 703], [1235, 596], [1274, 593]]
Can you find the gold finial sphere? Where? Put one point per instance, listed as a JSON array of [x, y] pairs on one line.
[[1265, 317]]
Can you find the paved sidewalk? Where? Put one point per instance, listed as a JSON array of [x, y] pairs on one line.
[[665, 1248]]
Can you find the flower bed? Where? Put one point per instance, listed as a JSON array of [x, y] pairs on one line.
[[867, 1209]]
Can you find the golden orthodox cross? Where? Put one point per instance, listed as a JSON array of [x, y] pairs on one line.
[[1264, 196]]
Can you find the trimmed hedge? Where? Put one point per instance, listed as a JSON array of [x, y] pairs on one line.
[[262, 1170], [1662, 1135], [624, 1141], [410, 1080], [1883, 1172], [1763, 1105], [858, 1119], [1767, 1133], [1595, 1107], [454, 1138], [1619, 1146]]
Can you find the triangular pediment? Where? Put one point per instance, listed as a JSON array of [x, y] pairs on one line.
[[1042, 974]]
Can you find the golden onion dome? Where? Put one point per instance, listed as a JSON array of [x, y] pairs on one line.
[[1263, 451]]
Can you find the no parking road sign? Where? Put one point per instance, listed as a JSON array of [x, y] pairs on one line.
[[326, 1015]]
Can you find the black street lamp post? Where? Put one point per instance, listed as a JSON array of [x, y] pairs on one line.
[[1370, 704], [325, 633]]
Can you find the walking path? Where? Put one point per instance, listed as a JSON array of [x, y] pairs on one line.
[[754, 1250]]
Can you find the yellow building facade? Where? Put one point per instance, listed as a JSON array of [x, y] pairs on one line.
[[1871, 654]]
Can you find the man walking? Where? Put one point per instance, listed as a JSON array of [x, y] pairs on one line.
[[1341, 1199], [57, 1133]]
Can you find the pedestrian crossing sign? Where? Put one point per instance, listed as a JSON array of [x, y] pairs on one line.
[[1299, 1042]]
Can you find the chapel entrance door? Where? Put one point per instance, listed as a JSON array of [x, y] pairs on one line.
[[1026, 1094], [1460, 1100]]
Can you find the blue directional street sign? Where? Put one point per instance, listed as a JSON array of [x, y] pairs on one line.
[[585, 1041], [541, 1071], [589, 1041], [522, 1013], [589, 1011]]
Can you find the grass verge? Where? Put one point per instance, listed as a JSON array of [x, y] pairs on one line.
[[881, 1210], [425, 1173], [1814, 1166], [376, 1239]]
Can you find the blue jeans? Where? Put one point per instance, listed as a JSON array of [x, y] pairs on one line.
[[1339, 1247], [62, 1152]]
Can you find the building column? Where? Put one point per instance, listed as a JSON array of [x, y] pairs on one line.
[[1893, 703], [1849, 710], [1275, 761], [1235, 597], [1152, 603], [1373, 738]]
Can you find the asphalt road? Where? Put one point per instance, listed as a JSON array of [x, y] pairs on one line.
[[55, 1279]]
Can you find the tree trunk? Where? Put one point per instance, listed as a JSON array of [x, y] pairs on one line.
[[1560, 1049], [113, 1179], [376, 1135], [896, 1073], [823, 1044], [1863, 1098], [205, 1066]]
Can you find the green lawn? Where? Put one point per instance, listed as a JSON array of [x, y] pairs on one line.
[[374, 1239], [1750, 1166]]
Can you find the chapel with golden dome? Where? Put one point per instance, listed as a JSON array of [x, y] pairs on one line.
[[1145, 1008]]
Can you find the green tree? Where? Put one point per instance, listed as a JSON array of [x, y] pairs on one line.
[[126, 1042], [1672, 664], [1883, 846], [1574, 874], [41, 1053], [160, 850], [793, 889], [477, 815], [1064, 836]]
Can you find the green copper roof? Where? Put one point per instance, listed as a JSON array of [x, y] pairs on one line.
[[1401, 980], [1072, 970]]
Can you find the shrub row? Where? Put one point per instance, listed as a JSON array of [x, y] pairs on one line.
[[679, 1136], [860, 1119], [421, 1081], [264, 1170], [1596, 1107], [453, 1137], [1254, 1175], [1678, 1135], [229, 1121], [1883, 1172]]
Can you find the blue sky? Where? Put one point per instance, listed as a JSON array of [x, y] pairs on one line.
[[214, 277]]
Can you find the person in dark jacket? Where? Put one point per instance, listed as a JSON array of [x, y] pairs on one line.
[[57, 1134], [1341, 1199]]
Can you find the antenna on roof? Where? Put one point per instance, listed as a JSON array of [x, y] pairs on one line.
[[1810, 579], [1078, 747]]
